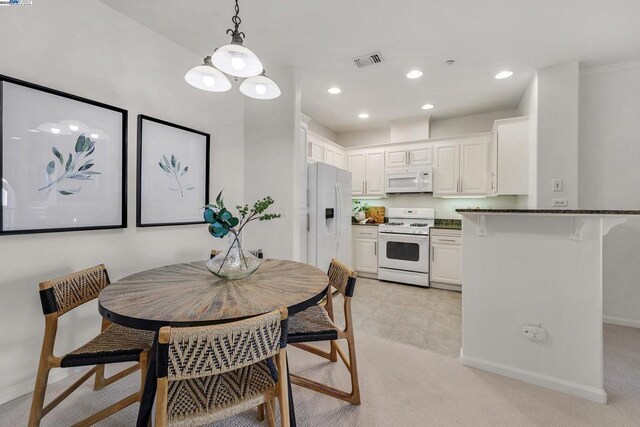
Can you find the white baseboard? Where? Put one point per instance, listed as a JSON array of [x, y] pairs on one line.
[[621, 321], [597, 395], [15, 391]]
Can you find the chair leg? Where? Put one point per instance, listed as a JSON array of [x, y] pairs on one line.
[[99, 382], [333, 353], [37, 402], [144, 365], [353, 368], [271, 417], [261, 412]]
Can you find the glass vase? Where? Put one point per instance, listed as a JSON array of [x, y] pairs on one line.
[[234, 262]]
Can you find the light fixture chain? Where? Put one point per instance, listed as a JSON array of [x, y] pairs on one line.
[[235, 34]]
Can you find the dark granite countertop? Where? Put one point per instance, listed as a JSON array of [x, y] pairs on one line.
[[448, 224], [552, 211], [368, 224]]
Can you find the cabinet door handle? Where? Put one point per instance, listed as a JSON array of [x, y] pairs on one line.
[[408, 156], [375, 248], [433, 255], [363, 188], [447, 240]]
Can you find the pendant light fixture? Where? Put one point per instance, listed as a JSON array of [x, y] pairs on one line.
[[207, 77], [260, 87], [235, 60]]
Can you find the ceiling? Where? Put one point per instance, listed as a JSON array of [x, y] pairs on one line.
[[320, 38]]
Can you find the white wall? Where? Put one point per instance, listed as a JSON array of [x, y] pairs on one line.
[[85, 48], [529, 107], [445, 208], [416, 129], [463, 125], [557, 135], [272, 132], [364, 137], [322, 130], [609, 175]]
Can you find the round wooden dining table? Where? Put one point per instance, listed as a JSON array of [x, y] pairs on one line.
[[183, 295]]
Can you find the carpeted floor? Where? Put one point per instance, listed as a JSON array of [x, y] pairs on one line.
[[406, 386]]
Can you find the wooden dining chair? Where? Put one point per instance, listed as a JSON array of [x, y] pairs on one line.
[[209, 373], [255, 252], [317, 324], [114, 344]]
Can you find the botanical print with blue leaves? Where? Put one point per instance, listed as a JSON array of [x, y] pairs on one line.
[[173, 169], [74, 167]]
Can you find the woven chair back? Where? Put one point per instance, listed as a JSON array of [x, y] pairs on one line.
[[209, 350], [68, 292], [342, 277]]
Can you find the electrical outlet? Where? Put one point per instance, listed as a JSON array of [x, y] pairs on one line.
[[560, 203], [557, 184], [534, 332]]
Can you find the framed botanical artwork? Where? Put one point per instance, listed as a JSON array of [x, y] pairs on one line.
[[63, 161], [173, 173]]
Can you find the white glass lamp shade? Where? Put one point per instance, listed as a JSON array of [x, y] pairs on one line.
[[236, 60], [207, 78], [260, 87]]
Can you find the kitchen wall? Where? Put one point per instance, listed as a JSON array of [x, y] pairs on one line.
[[322, 130], [557, 134], [529, 107], [86, 48], [463, 125], [364, 137], [609, 155]]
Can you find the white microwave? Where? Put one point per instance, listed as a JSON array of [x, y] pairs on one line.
[[409, 180]]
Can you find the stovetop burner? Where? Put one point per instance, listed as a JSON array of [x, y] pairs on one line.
[[417, 224], [394, 223]]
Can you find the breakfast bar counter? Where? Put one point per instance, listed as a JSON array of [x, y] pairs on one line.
[[540, 269]]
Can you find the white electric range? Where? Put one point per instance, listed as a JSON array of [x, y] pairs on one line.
[[403, 243]]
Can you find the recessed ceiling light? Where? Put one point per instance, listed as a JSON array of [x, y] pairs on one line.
[[55, 130], [427, 106], [504, 74], [74, 127], [94, 135], [334, 90], [363, 115], [17, 138], [414, 74], [34, 130]]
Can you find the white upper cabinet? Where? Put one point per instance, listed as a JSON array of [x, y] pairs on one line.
[[320, 149], [367, 172], [446, 172], [509, 154], [461, 167], [374, 185], [397, 157], [419, 154], [473, 167]]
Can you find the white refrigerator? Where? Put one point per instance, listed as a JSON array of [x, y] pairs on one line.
[[329, 223]]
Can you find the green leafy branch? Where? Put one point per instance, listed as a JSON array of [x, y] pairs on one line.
[[83, 149], [174, 170], [222, 222]]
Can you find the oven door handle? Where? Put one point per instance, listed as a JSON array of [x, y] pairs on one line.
[[410, 238]]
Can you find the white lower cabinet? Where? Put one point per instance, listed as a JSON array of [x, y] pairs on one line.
[[365, 250], [445, 271]]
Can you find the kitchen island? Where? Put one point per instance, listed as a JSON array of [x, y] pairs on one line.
[[538, 268]]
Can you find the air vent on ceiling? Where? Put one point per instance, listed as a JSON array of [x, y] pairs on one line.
[[370, 59]]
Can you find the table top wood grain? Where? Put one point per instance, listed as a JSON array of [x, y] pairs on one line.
[[189, 295]]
